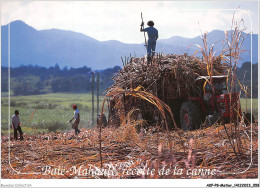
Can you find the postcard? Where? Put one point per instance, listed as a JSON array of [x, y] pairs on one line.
[[129, 93]]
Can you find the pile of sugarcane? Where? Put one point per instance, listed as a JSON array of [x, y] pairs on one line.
[[183, 68], [166, 77]]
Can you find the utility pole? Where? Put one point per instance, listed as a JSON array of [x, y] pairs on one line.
[[98, 93], [93, 93]]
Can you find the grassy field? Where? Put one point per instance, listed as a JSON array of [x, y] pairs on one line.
[[51, 112], [246, 106]]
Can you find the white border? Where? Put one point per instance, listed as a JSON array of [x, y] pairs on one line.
[[133, 183]]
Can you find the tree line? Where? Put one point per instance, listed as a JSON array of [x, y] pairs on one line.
[[33, 80], [244, 76]]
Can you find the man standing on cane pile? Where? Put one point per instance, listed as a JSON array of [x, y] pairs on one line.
[[152, 38]]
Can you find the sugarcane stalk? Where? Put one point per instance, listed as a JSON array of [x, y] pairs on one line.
[[144, 32]]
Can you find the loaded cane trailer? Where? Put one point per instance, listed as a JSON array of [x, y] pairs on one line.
[[180, 81]]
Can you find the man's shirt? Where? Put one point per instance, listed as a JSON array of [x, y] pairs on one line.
[[152, 32], [76, 114], [15, 121]]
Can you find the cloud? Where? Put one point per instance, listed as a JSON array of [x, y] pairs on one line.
[[120, 20]]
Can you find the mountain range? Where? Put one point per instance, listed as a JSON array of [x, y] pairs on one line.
[[67, 48]]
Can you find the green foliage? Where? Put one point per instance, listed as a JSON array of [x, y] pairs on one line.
[[29, 85], [48, 112], [247, 103], [34, 80], [244, 76], [56, 125]]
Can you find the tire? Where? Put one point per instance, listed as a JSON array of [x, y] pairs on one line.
[[225, 120], [190, 116], [247, 119]]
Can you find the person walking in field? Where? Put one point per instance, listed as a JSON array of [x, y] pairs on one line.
[[17, 125], [152, 38], [76, 119]]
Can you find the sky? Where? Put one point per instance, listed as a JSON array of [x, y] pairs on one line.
[[120, 20]]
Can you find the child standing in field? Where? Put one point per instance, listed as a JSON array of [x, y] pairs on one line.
[[17, 125], [76, 119]]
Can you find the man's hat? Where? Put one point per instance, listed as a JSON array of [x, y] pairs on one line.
[[150, 23], [74, 106]]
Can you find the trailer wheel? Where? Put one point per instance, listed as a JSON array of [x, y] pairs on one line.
[[190, 116], [247, 119]]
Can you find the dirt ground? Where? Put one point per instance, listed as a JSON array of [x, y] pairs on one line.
[[205, 153]]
